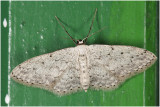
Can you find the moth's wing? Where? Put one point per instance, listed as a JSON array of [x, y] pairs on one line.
[[68, 83], [109, 65], [53, 71]]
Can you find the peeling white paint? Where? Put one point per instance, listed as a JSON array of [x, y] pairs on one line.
[[7, 99], [9, 51], [144, 82], [33, 48], [5, 22], [41, 36], [26, 52], [21, 26]]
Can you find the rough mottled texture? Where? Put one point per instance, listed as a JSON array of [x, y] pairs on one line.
[[72, 69]]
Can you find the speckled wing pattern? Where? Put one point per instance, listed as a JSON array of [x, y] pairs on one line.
[[110, 65], [56, 72], [59, 72]]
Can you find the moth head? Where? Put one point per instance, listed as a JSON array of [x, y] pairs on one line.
[[80, 42]]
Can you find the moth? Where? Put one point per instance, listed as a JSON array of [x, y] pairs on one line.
[[85, 66]]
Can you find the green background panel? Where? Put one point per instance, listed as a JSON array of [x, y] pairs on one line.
[[4, 52], [35, 31]]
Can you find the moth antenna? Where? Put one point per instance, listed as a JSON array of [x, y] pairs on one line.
[[65, 30], [94, 33], [91, 25]]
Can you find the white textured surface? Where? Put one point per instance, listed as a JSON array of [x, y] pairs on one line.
[[72, 69]]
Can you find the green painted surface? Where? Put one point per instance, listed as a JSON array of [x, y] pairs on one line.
[[4, 52], [35, 31], [151, 80]]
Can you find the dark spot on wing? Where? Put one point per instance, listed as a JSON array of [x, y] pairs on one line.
[[145, 51], [112, 48], [152, 59], [19, 66], [34, 68]]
